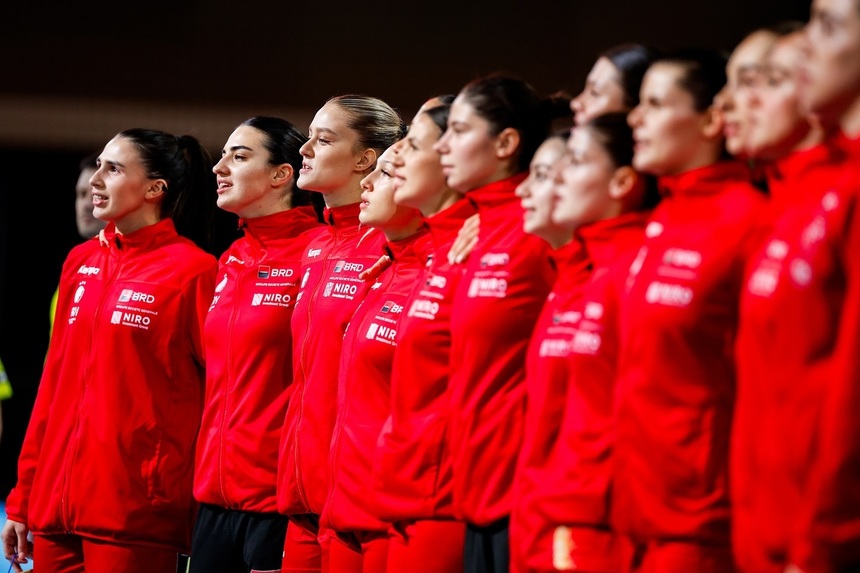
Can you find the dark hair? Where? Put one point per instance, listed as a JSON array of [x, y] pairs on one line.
[[614, 134], [785, 27], [632, 61], [190, 197], [283, 140], [439, 115], [90, 161], [505, 102], [704, 74], [378, 125]]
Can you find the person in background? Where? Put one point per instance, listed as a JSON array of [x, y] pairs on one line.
[[88, 225], [346, 137], [545, 381], [248, 373], [613, 82], [104, 475], [495, 125], [412, 468], [5, 392], [768, 478], [678, 322], [564, 481], [803, 291]]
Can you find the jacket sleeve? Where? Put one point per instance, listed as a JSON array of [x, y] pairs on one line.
[[198, 295]]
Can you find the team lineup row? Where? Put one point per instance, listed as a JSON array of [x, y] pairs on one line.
[[474, 343]]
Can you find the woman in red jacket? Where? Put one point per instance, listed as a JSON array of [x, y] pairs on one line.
[[494, 127], [248, 374], [767, 477], [675, 377], [363, 394], [346, 137], [105, 475], [613, 82], [412, 474], [803, 295], [564, 477]]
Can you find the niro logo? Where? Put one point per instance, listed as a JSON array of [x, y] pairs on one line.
[[271, 299], [382, 333], [489, 287], [130, 319], [424, 308]]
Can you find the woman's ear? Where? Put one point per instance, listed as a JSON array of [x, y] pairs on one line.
[[712, 122], [366, 161], [507, 143], [282, 174], [623, 181], [156, 189]]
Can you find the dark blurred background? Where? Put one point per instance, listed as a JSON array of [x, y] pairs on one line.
[[72, 74]]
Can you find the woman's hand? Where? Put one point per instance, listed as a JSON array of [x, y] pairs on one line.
[[467, 238], [15, 544]]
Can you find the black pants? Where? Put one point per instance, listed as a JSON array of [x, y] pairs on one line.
[[231, 541], [487, 549]]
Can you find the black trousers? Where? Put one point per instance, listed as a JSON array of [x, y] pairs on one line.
[[231, 541], [487, 549]]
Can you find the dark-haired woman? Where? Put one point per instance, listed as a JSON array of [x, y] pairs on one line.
[[613, 82], [247, 341], [105, 475], [679, 315], [412, 474], [494, 127], [561, 520]]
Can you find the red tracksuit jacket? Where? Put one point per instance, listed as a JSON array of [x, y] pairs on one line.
[[676, 375], [364, 388], [776, 416], [508, 276], [800, 337], [249, 366], [108, 451], [412, 475], [565, 472], [330, 293]]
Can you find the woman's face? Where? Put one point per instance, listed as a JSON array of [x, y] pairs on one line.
[[830, 73], [331, 153], [245, 178], [777, 123], [743, 74], [88, 225], [122, 192], [378, 208], [667, 128], [419, 181], [468, 149], [602, 94], [583, 179], [536, 192]]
